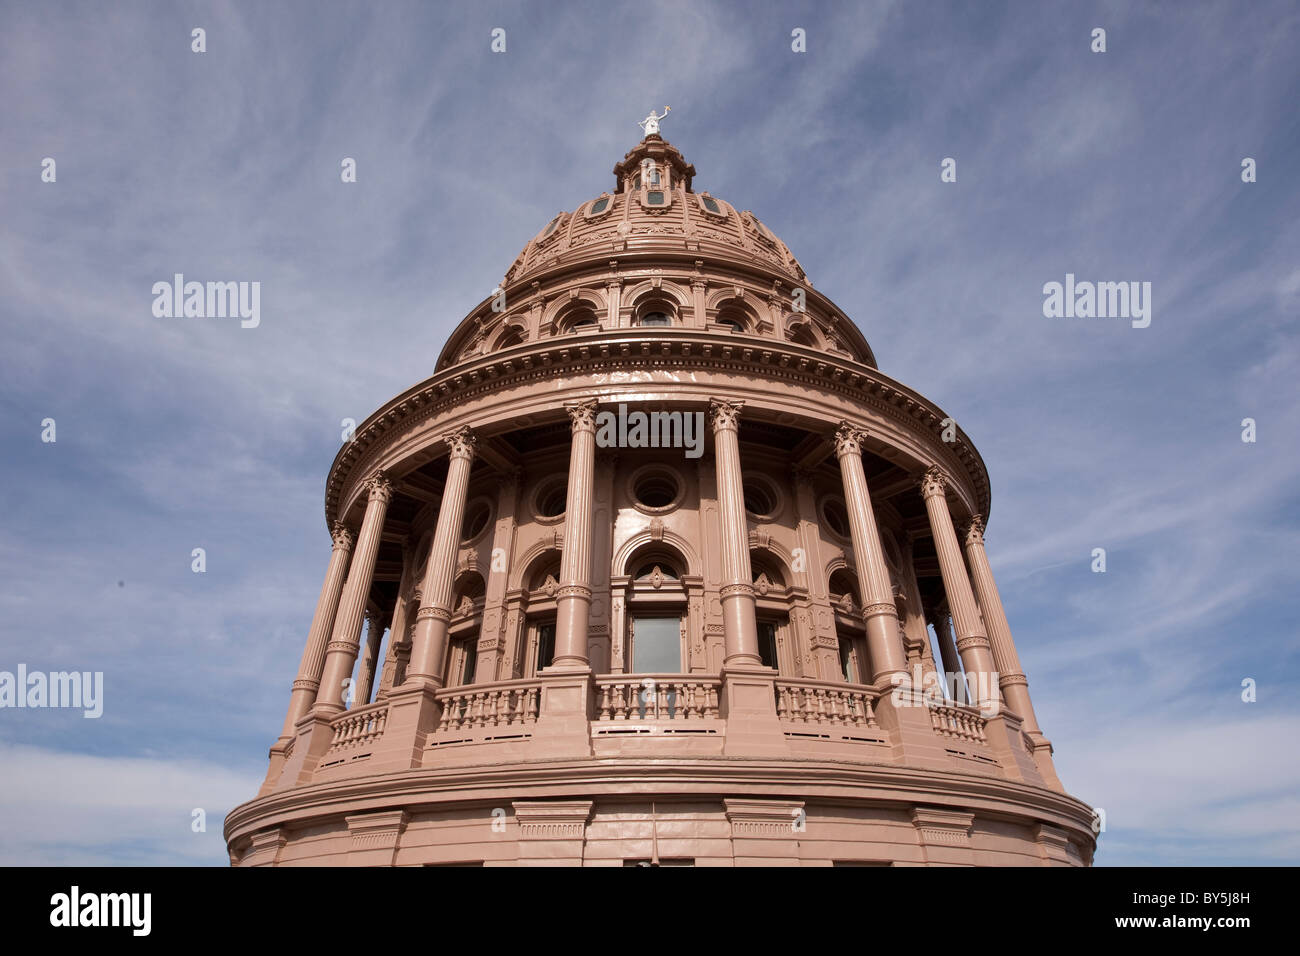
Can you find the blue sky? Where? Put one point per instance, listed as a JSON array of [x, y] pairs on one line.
[[174, 434]]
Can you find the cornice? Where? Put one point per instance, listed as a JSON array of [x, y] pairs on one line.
[[628, 349], [551, 778]]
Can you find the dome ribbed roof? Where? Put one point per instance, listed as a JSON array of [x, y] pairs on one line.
[[654, 207]]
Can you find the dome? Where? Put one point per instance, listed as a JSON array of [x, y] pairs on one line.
[[646, 570], [653, 206], [653, 214]]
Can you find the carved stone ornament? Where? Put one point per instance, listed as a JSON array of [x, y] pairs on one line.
[[724, 415], [975, 531], [379, 487], [461, 443], [933, 482], [848, 440], [343, 538], [583, 415]]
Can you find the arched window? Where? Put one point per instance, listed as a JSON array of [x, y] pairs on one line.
[[801, 334], [655, 319]]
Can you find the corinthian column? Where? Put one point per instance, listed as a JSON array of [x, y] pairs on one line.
[[341, 654], [879, 612], [738, 621], [1015, 688], [429, 646], [972, 642], [573, 599], [369, 657], [322, 623]]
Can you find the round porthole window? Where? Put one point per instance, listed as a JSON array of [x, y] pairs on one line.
[[656, 489], [836, 517], [761, 498], [477, 516], [551, 498]]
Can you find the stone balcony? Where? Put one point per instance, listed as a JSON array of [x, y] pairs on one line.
[[606, 717]]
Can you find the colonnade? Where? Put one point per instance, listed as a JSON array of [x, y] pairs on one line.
[[983, 638]]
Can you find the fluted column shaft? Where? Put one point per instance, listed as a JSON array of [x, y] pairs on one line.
[[573, 598], [341, 654], [948, 654], [739, 623], [972, 642], [322, 624], [369, 657], [1015, 687], [429, 646], [879, 612]]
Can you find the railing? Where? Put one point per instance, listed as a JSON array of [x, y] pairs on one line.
[[489, 705], [825, 702], [359, 728], [951, 720], [657, 697]]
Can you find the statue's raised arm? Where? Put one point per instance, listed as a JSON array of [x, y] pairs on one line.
[[651, 123]]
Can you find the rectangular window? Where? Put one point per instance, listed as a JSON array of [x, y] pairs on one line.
[[767, 643], [656, 645], [545, 644], [654, 198], [846, 659], [471, 659]]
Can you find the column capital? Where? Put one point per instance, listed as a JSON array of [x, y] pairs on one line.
[[582, 415], [343, 538], [461, 443], [975, 531], [933, 482], [848, 440], [379, 488], [724, 415]]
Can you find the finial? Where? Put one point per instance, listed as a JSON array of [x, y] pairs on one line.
[[650, 125]]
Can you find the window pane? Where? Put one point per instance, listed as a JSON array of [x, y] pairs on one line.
[[767, 643], [654, 198], [545, 644], [846, 660], [471, 660], [656, 645]]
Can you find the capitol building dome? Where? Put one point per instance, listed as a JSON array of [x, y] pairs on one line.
[[658, 568]]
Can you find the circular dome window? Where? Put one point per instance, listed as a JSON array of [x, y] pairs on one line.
[[477, 516], [656, 489], [836, 516], [551, 498], [760, 497]]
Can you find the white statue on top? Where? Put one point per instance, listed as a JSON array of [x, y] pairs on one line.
[[651, 123]]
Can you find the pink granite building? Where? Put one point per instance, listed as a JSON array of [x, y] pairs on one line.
[[658, 550]]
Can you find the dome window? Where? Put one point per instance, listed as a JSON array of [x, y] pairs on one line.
[[654, 198], [551, 226], [711, 205], [655, 320], [599, 206], [551, 498], [656, 489]]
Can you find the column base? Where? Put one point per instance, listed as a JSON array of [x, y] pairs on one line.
[[315, 733], [907, 722], [564, 716], [748, 704], [279, 755], [413, 714]]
